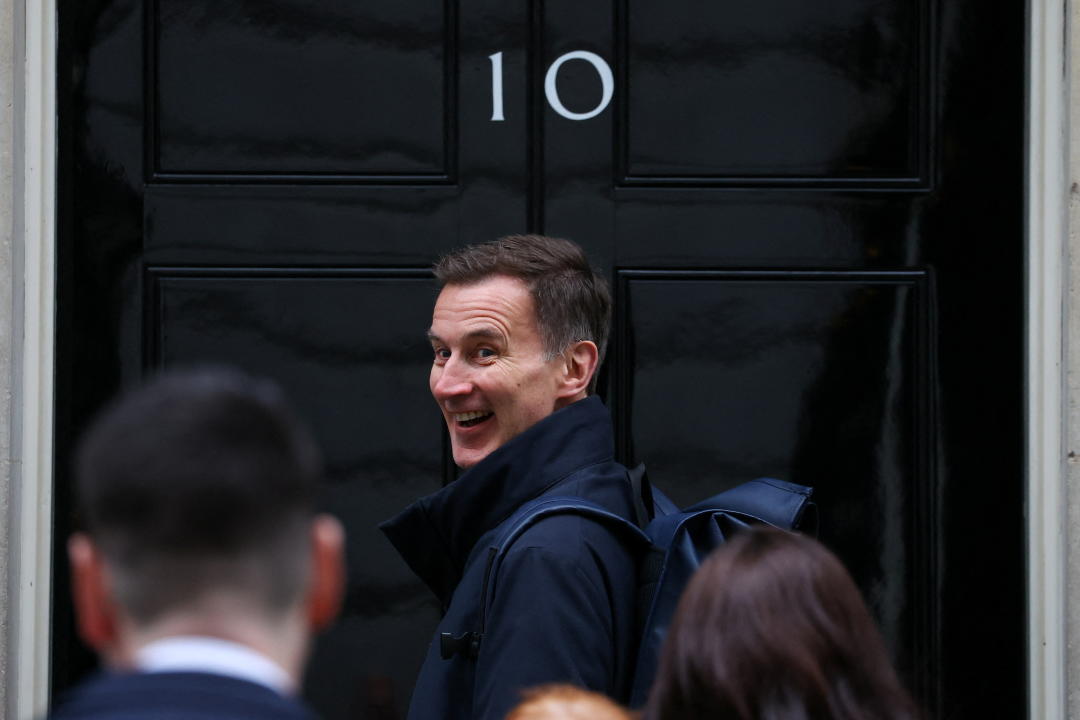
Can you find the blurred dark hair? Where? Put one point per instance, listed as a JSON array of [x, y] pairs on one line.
[[572, 300], [199, 481], [772, 627]]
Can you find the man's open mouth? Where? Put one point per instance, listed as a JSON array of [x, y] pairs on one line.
[[469, 419]]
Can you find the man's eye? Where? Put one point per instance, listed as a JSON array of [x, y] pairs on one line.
[[485, 353], [441, 355]]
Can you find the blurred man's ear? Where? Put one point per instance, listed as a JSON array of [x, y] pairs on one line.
[[580, 361], [95, 608], [327, 588]]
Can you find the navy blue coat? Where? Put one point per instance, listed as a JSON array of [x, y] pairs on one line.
[[175, 696], [564, 606]]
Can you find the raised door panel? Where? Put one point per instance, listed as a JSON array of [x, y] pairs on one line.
[[237, 84], [782, 92]]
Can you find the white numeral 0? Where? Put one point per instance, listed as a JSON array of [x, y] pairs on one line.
[[602, 69], [607, 82]]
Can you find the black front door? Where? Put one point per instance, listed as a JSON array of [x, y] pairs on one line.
[[810, 214]]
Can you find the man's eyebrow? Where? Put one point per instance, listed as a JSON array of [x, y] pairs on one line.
[[487, 333]]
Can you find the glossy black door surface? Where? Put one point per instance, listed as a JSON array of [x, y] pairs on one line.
[[810, 214]]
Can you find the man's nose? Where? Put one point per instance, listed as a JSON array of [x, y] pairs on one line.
[[450, 380]]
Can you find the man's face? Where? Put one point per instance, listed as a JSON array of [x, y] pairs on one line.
[[489, 376]]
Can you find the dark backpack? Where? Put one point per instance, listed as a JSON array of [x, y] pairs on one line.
[[672, 542]]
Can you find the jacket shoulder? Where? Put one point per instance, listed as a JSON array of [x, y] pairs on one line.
[[175, 696]]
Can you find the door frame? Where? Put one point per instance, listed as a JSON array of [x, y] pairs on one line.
[[33, 310], [33, 307], [1046, 310]]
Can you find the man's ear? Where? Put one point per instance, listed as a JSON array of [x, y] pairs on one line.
[[327, 587], [95, 607], [580, 361]]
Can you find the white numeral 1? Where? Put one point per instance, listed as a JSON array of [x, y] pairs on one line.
[[496, 87]]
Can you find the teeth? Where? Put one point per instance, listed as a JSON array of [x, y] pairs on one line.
[[465, 417]]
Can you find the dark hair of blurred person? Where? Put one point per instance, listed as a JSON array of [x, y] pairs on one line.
[[203, 568], [772, 627], [566, 702]]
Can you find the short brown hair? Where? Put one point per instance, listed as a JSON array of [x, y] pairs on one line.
[[772, 625], [572, 300]]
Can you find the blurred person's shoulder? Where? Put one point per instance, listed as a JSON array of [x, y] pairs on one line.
[[175, 696]]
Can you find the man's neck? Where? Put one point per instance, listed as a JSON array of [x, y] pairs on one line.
[[283, 642], [214, 656]]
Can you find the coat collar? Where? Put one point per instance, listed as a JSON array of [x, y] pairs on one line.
[[436, 534]]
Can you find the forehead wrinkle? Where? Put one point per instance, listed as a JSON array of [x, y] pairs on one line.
[[491, 309], [473, 323], [486, 332]]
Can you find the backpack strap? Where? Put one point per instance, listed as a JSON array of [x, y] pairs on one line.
[[536, 510], [644, 507], [649, 502], [513, 528]]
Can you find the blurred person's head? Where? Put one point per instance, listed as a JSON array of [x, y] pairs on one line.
[[772, 626], [518, 332], [566, 702], [197, 496]]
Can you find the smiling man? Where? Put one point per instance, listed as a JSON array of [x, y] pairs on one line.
[[517, 334]]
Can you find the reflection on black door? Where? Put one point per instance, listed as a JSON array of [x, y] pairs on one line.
[[810, 214]]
